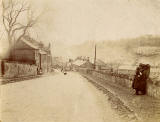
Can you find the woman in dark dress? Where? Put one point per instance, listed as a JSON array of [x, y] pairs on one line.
[[136, 81], [140, 79]]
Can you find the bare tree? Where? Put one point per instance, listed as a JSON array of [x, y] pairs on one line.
[[12, 14]]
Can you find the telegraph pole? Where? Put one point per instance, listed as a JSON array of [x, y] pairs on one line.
[[95, 57]]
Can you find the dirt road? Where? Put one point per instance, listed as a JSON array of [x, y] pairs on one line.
[[56, 98]]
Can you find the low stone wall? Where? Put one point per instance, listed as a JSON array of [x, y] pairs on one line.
[[124, 80], [153, 90], [127, 82], [83, 70], [14, 70]]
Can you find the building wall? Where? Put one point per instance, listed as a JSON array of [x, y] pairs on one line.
[[49, 63], [24, 55], [33, 57], [44, 63]]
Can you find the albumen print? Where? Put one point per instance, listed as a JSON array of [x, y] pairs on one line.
[[79, 60]]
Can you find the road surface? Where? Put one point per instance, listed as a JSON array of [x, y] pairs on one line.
[[55, 98]]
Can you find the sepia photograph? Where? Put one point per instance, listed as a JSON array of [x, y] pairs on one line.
[[79, 60]]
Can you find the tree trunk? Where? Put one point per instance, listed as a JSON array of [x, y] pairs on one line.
[[10, 45]]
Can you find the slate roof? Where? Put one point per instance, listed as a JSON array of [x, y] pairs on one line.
[[35, 44], [78, 62], [30, 44]]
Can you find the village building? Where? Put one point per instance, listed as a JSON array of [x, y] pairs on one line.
[[87, 64], [82, 64], [99, 64], [30, 51]]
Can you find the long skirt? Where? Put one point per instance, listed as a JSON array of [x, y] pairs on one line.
[[139, 84]]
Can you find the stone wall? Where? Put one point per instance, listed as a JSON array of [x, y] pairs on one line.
[[14, 70], [153, 89], [119, 79]]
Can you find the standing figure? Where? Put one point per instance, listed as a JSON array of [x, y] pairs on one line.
[[135, 84], [140, 79], [62, 69]]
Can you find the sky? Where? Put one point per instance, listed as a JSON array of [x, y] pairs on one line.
[[75, 21], [71, 22]]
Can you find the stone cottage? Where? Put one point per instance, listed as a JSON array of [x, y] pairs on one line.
[[31, 51]]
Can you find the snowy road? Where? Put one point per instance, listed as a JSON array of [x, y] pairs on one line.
[[56, 98]]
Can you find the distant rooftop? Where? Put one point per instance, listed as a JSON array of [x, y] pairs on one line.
[[79, 62]]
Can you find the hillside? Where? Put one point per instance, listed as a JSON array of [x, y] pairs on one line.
[[124, 50]]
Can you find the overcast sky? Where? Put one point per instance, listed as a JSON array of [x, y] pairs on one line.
[[75, 21]]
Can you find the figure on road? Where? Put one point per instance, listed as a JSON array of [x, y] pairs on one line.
[[62, 69]]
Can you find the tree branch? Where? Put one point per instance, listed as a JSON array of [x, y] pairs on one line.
[[22, 9], [11, 12], [23, 34], [5, 26], [16, 29]]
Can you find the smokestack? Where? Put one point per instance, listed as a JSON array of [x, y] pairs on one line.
[[95, 57]]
